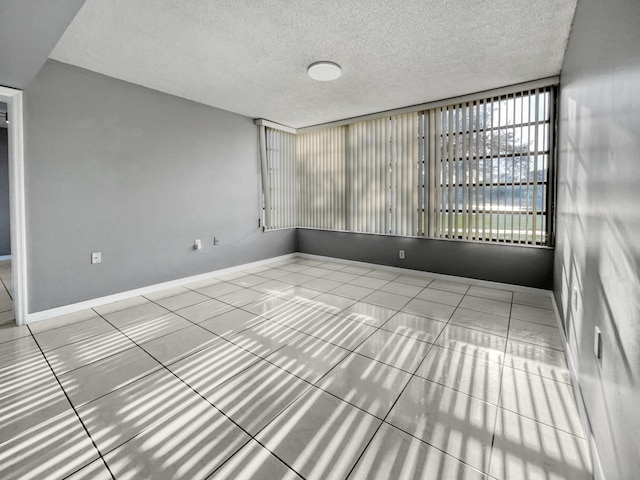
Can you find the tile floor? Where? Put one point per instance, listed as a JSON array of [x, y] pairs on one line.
[[298, 369]]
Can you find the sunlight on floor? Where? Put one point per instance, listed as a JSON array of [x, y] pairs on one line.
[[299, 368]]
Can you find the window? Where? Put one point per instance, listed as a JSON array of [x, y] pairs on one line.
[[492, 169], [279, 187], [478, 170]]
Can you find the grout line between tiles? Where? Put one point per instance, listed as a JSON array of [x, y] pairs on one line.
[[75, 411], [258, 358], [333, 315]]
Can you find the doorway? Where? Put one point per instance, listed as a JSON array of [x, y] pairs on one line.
[[6, 295], [13, 266]]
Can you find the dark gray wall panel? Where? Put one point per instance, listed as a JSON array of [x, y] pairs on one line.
[[137, 175], [598, 235], [29, 29], [5, 228], [519, 265]]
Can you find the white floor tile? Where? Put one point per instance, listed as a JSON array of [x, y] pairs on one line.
[[253, 341], [369, 282], [395, 454], [414, 280], [473, 342], [79, 354], [70, 318], [450, 286], [351, 291], [13, 332], [341, 331], [99, 378], [534, 314], [420, 328], [527, 450], [543, 335], [451, 421], [96, 470], [398, 351], [486, 322], [58, 337], [533, 300], [264, 338], [308, 357], [231, 322], [440, 296], [119, 305], [486, 305], [319, 436], [546, 362], [182, 300], [208, 368], [464, 373], [174, 346], [204, 311], [365, 383], [54, 448], [540, 399], [387, 300], [424, 308], [190, 441], [17, 349], [168, 292], [400, 288], [366, 313], [254, 397], [254, 461], [492, 293]]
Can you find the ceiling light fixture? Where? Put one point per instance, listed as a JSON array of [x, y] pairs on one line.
[[324, 71]]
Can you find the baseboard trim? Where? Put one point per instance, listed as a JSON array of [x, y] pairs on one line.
[[598, 473], [438, 276], [96, 302], [5, 257]]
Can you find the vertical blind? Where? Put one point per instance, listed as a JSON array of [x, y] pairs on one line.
[[280, 203], [383, 175], [321, 179], [492, 169], [478, 170]]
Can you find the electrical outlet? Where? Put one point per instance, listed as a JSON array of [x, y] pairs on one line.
[[597, 343], [402, 254], [197, 245], [96, 257]]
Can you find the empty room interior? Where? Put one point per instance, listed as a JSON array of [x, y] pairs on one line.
[[320, 240]]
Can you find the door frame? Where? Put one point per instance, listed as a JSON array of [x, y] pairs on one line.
[[13, 99]]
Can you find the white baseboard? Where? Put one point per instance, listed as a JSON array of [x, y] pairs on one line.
[[598, 473], [96, 302], [5, 257], [437, 276]]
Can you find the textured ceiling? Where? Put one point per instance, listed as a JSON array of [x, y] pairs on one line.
[[250, 56]]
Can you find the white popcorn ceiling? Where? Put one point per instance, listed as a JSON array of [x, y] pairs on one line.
[[251, 56]]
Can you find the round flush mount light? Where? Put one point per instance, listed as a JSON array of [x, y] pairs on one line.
[[324, 71]]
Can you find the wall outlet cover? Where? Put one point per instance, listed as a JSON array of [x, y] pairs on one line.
[[597, 343]]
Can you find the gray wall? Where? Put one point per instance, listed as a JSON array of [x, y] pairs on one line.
[[137, 175], [598, 249], [528, 266], [29, 30], [5, 229]]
